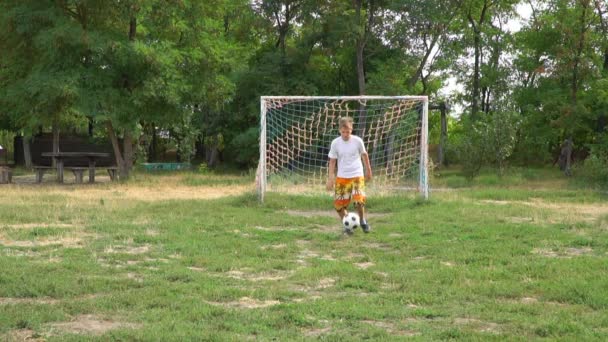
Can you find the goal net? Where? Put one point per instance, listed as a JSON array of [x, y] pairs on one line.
[[297, 131]]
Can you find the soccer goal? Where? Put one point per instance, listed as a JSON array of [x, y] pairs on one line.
[[296, 133]]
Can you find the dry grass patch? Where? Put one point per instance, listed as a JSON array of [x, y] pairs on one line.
[[72, 240], [564, 253], [90, 325], [481, 326], [13, 301], [37, 225], [256, 277], [277, 246], [364, 265], [116, 194], [315, 332], [306, 254], [390, 328], [561, 212], [22, 335], [246, 303], [127, 249]]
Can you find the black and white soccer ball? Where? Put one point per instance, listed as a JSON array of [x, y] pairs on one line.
[[350, 222]]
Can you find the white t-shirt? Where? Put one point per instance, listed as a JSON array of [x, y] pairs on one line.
[[348, 154]]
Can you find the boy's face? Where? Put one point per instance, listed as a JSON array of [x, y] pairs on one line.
[[345, 131]]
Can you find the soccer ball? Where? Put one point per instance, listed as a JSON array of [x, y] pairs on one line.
[[350, 222]]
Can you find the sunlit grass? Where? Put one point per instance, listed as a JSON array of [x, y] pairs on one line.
[[190, 256]]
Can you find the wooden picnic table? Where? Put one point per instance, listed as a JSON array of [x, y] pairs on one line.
[[60, 157]]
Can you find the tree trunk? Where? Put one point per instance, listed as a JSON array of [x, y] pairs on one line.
[[90, 127], [444, 136], [475, 95], [123, 170], [412, 81], [129, 155], [579, 52], [152, 150], [477, 28], [27, 152], [55, 139]]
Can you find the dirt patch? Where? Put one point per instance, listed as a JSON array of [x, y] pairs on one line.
[[316, 332], [332, 228], [136, 277], [306, 254], [378, 246], [352, 255], [67, 241], [364, 265], [22, 335], [152, 232], [197, 269], [315, 291], [564, 253], [43, 300], [326, 283], [277, 246], [570, 212], [515, 219], [255, 277], [448, 263], [274, 229], [528, 300], [246, 303], [487, 327], [115, 194], [390, 328], [127, 249], [498, 202], [37, 225], [91, 325]]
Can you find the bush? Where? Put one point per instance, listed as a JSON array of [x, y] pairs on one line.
[[595, 168], [489, 140]]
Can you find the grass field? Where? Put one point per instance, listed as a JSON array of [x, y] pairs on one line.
[[174, 257]]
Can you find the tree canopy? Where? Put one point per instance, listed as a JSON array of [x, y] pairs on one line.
[[197, 68]]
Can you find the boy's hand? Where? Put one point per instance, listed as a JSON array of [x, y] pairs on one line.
[[368, 175], [330, 184]]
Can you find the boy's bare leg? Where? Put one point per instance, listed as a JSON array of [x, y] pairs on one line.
[[361, 211], [342, 212]]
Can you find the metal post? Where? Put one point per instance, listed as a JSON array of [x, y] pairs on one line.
[[424, 151], [262, 163]]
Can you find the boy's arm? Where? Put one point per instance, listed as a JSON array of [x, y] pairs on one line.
[[331, 178], [368, 166]]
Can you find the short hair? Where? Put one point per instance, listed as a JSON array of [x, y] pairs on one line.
[[346, 120]]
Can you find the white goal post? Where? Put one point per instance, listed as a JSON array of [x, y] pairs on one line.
[[296, 132]]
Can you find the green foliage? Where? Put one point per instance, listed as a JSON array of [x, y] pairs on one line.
[[595, 168], [487, 141], [6, 141]]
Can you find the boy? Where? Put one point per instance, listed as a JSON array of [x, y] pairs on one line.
[[348, 150]]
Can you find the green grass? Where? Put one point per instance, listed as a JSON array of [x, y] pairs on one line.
[[498, 259]]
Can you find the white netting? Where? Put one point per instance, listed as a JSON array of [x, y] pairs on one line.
[[297, 133]]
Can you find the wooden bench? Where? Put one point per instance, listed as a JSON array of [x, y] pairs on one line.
[[78, 172], [112, 172], [6, 174], [40, 170]]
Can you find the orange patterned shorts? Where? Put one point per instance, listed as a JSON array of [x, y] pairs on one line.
[[347, 189]]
